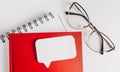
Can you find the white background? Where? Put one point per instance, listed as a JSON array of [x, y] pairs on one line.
[[105, 15]]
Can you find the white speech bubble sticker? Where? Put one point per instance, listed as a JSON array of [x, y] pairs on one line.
[[55, 48]]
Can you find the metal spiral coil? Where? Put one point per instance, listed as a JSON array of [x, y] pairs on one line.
[[24, 27]]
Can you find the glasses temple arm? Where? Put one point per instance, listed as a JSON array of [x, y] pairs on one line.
[[71, 13], [77, 5], [102, 43], [113, 47]]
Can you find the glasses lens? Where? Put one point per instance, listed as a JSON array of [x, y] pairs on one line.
[[76, 18], [94, 42]]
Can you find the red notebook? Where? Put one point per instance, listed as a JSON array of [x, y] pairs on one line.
[[24, 57]]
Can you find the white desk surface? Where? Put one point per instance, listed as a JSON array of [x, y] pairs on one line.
[[105, 14]]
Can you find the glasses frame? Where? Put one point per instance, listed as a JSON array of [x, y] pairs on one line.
[[103, 37]]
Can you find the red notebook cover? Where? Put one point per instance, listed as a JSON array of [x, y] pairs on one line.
[[23, 53]]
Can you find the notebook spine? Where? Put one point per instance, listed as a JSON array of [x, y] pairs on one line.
[[24, 27]]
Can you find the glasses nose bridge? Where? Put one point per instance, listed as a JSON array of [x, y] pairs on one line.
[[92, 26]]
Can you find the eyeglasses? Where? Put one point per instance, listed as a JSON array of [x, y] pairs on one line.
[[79, 19]]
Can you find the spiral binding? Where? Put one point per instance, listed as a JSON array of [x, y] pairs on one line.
[[24, 27]]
